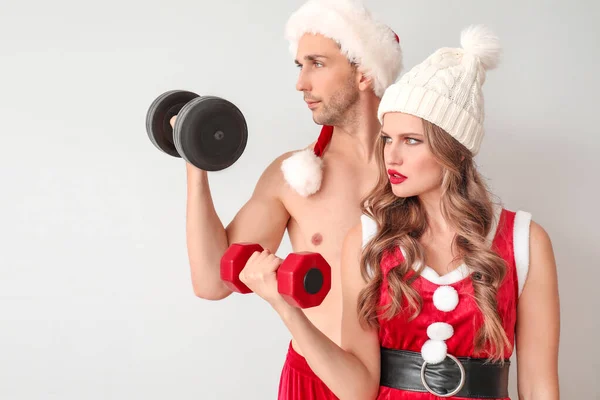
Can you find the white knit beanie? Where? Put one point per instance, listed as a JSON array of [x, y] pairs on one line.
[[445, 89], [365, 41]]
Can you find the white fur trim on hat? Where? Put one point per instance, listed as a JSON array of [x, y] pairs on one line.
[[440, 331], [434, 351], [303, 171], [446, 88], [445, 298], [362, 38]]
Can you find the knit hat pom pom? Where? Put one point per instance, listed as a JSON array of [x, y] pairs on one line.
[[480, 41]]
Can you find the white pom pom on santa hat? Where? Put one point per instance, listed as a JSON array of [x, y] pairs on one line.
[[480, 41], [303, 171]]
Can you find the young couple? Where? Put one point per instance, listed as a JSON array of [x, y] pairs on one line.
[[433, 283]]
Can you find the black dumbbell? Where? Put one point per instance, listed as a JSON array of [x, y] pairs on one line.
[[209, 132]]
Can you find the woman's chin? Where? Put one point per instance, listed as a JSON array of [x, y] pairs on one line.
[[400, 191]]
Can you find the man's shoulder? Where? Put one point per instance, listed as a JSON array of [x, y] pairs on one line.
[[277, 161], [273, 171], [291, 152], [276, 174]]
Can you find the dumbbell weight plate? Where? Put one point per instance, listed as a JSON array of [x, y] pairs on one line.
[[159, 115], [313, 281], [233, 262], [210, 133], [304, 279]]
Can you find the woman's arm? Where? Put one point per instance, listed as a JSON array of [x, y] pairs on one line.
[[350, 371], [538, 323]]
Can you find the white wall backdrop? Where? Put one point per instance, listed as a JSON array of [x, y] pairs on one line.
[[95, 294]]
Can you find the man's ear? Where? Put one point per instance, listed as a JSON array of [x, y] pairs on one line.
[[365, 83]]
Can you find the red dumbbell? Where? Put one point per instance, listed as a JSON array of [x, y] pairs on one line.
[[303, 279]]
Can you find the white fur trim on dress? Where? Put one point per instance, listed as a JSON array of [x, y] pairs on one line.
[[457, 274], [303, 171], [521, 246], [362, 38], [445, 298], [434, 351], [440, 331], [369, 230], [463, 270]]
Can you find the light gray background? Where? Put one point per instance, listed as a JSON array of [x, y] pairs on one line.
[[95, 295]]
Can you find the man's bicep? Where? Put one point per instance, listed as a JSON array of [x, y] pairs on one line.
[[264, 217]]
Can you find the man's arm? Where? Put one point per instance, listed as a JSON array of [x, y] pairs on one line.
[[263, 220], [352, 370]]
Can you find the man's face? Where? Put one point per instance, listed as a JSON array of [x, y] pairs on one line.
[[327, 79]]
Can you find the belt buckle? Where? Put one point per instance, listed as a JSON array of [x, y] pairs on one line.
[[455, 391]]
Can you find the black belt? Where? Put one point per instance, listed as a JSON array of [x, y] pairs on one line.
[[455, 376]]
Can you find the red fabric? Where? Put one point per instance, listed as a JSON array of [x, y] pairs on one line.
[[324, 139], [466, 318], [299, 382]]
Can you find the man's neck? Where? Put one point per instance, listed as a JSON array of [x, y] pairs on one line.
[[359, 135]]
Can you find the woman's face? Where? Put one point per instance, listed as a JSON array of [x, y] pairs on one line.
[[411, 166]]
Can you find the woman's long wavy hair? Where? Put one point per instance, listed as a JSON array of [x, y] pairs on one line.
[[467, 206]]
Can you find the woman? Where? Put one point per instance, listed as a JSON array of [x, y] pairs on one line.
[[438, 282]]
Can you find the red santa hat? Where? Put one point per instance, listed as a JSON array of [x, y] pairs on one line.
[[365, 41]]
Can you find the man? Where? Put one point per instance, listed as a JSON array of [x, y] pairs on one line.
[[346, 59]]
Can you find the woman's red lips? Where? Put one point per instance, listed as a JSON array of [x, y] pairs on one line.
[[396, 177]]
